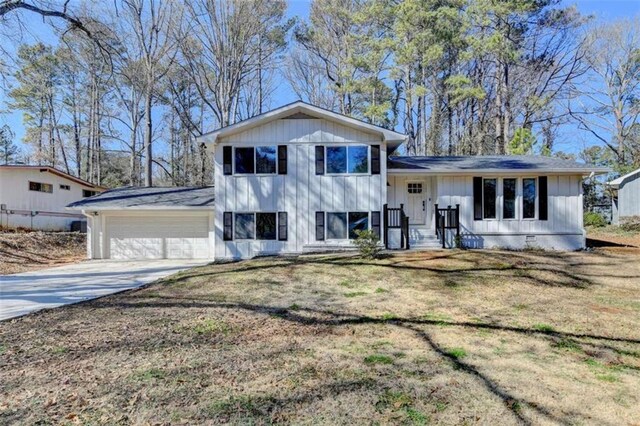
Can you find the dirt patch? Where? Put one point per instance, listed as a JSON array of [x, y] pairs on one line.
[[22, 251], [612, 236], [451, 337]]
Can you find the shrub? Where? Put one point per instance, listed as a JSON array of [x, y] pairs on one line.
[[630, 223], [367, 243], [594, 219]]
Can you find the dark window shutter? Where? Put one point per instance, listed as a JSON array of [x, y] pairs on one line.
[[282, 226], [477, 198], [227, 158], [375, 159], [320, 160], [282, 160], [228, 226], [543, 199], [319, 226], [375, 223]]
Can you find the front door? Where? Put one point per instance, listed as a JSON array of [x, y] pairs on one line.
[[416, 202]]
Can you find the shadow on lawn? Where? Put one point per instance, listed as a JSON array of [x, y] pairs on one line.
[[315, 317]]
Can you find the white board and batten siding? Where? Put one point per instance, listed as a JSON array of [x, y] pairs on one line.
[[563, 230], [300, 192]]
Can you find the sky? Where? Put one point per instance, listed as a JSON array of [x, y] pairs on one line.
[[569, 139]]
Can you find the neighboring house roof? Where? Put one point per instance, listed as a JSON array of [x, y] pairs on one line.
[[53, 171], [623, 179], [488, 164], [301, 109], [148, 198]]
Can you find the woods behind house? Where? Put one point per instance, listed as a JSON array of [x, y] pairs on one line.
[[121, 92]]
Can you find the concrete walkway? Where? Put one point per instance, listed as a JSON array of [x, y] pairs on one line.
[[27, 292]]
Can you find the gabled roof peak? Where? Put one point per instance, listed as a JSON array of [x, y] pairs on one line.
[[301, 110]]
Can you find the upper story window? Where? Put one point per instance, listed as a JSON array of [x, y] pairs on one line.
[[529, 198], [65, 187], [88, 193], [258, 160], [41, 187], [347, 159]]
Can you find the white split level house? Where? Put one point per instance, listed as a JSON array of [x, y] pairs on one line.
[[302, 179]]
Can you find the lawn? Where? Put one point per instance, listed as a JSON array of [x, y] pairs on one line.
[[455, 337]]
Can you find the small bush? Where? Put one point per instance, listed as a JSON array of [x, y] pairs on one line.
[[594, 219], [630, 223], [367, 243]]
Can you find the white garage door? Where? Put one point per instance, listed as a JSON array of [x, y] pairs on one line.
[[158, 237]]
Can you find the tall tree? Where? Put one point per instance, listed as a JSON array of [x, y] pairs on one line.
[[608, 101], [8, 149], [149, 26]]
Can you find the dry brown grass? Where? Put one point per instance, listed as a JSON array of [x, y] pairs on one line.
[[454, 337], [22, 251]]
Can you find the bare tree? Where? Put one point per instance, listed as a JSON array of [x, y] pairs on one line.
[[607, 103], [149, 26]]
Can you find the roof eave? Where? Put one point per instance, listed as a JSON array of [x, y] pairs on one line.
[[580, 171], [129, 208]]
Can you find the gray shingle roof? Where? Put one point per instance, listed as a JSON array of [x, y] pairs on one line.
[[148, 198], [488, 163]]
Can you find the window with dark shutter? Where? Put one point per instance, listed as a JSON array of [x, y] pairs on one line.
[[282, 226], [320, 160], [227, 158], [477, 198], [375, 159], [282, 160], [228, 226], [319, 226], [543, 203], [375, 223]]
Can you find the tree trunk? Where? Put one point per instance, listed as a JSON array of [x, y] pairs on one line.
[[148, 175]]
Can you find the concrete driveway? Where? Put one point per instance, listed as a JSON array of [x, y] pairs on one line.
[[48, 288]]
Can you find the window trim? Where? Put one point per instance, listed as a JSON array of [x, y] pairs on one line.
[[497, 217], [255, 160], [347, 173], [535, 198], [255, 226], [326, 224]]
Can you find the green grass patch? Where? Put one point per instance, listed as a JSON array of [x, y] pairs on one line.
[[545, 328], [457, 353], [381, 290], [294, 307], [59, 350], [416, 417], [347, 284], [150, 374], [378, 359], [389, 317], [210, 326], [611, 378], [355, 294], [568, 345]]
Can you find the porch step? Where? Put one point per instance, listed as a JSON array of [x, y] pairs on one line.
[[423, 237]]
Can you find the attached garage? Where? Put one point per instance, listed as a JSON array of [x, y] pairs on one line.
[[150, 223], [157, 237]]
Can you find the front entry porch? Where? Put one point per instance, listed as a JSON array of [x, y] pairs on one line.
[[413, 219]]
